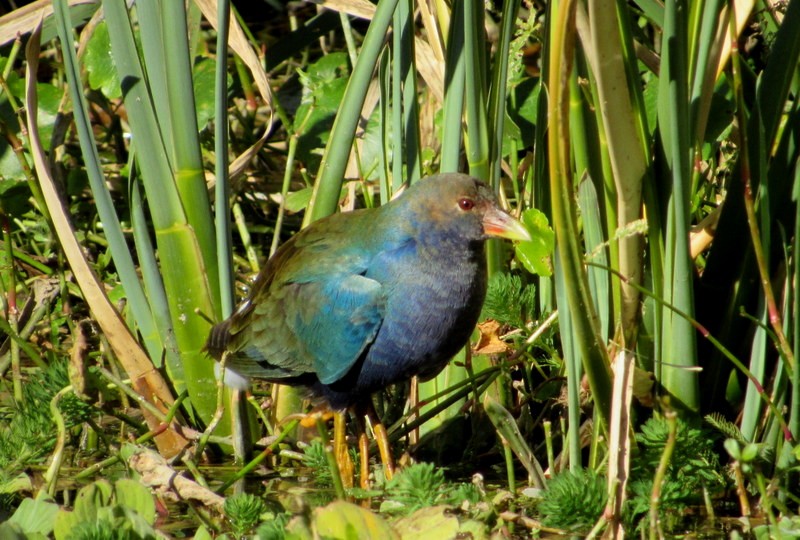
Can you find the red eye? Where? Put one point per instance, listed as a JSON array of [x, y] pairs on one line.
[[466, 204]]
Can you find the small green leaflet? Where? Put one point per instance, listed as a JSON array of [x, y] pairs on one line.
[[535, 255]]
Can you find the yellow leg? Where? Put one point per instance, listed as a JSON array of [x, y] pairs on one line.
[[346, 469], [363, 452], [382, 439]]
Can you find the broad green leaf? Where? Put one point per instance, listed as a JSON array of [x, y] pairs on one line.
[[535, 255], [49, 100], [14, 192], [131, 494], [298, 200], [350, 522], [511, 133], [438, 522], [204, 94], [431, 522], [12, 531], [527, 107], [34, 517], [325, 70], [87, 504], [100, 65]]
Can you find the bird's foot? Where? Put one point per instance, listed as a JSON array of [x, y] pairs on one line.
[[310, 419]]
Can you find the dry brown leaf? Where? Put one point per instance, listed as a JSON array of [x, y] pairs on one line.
[[22, 21], [490, 342]]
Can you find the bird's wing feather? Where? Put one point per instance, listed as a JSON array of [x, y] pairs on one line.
[[312, 310], [335, 320], [321, 327]]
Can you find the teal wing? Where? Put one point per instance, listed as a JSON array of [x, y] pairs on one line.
[[311, 311], [313, 327]]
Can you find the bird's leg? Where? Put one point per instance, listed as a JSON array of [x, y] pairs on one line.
[[340, 448], [382, 440], [363, 450]]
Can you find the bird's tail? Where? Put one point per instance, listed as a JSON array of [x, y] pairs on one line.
[[218, 339]]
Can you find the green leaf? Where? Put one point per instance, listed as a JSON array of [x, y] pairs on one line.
[[12, 531], [204, 91], [511, 133], [100, 65], [49, 100], [325, 70], [350, 522], [34, 517], [14, 194], [21, 482], [133, 495], [89, 501], [535, 255], [298, 200], [431, 522], [527, 100]]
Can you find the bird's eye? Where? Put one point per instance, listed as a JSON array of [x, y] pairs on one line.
[[466, 204]]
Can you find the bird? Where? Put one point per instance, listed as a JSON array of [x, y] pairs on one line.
[[360, 300]]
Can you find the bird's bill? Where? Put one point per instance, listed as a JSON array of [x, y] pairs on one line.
[[502, 225]]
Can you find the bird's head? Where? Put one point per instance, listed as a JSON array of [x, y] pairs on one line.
[[459, 206]]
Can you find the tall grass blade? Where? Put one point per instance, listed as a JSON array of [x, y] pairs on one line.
[[105, 206], [182, 264], [586, 326], [679, 349]]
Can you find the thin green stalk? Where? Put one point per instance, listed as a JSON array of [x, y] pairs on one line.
[[391, 131], [12, 58], [212, 425], [327, 188], [498, 93], [508, 457], [51, 475], [411, 112], [401, 16], [548, 442], [251, 466], [22, 343], [222, 187], [661, 472], [244, 235], [573, 369], [100, 465], [749, 205], [11, 310], [247, 84], [396, 433], [454, 84], [512, 440], [336, 477], [133, 394], [477, 136]]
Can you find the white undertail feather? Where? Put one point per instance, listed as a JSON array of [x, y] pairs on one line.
[[232, 379]]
